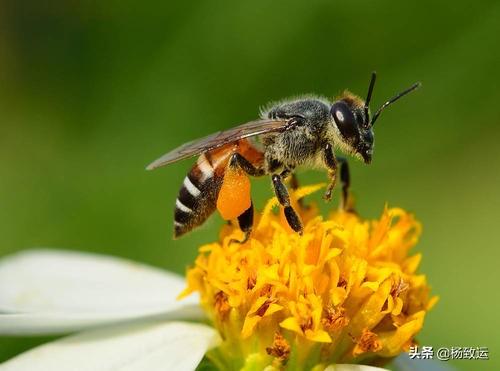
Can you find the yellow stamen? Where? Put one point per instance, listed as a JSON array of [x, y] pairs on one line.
[[334, 319], [368, 342], [280, 348]]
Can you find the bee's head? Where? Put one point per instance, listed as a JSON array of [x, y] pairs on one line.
[[355, 126]]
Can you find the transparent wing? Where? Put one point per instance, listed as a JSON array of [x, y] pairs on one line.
[[221, 138]]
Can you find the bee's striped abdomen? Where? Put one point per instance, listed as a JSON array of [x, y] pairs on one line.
[[198, 195], [197, 198]]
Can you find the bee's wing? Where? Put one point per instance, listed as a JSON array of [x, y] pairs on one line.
[[221, 138]]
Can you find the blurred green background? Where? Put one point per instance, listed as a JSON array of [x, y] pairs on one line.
[[92, 92]]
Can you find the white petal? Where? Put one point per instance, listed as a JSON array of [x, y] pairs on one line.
[[146, 346], [351, 367], [56, 291]]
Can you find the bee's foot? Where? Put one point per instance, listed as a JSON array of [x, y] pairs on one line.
[[241, 242], [350, 210], [348, 206], [327, 196]]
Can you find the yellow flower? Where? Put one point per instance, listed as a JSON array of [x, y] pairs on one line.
[[346, 291]]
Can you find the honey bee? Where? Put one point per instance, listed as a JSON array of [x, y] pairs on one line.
[[292, 133]]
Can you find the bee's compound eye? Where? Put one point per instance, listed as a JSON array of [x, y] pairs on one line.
[[339, 115], [345, 120]]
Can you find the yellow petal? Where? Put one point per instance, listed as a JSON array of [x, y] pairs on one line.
[[318, 336], [338, 296], [397, 307], [332, 253], [249, 325], [371, 285], [291, 324], [307, 190], [273, 308], [411, 264], [393, 341]]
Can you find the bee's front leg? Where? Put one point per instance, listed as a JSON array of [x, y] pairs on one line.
[[284, 199], [331, 165]]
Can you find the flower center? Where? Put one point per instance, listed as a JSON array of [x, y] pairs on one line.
[[344, 291]]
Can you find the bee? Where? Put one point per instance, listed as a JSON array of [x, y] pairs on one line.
[[292, 133]]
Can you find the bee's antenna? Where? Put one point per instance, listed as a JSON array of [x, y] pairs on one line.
[[369, 95], [392, 100], [370, 89]]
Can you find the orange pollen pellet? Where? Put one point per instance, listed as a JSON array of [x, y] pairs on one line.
[[234, 195]]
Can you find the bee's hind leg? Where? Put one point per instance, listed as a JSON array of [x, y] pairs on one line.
[[245, 222], [284, 199], [238, 160]]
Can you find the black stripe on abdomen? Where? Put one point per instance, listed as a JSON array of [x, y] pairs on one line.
[[197, 199]]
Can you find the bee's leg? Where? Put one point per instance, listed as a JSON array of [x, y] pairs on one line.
[[245, 222], [345, 179], [284, 199], [238, 160], [331, 164]]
